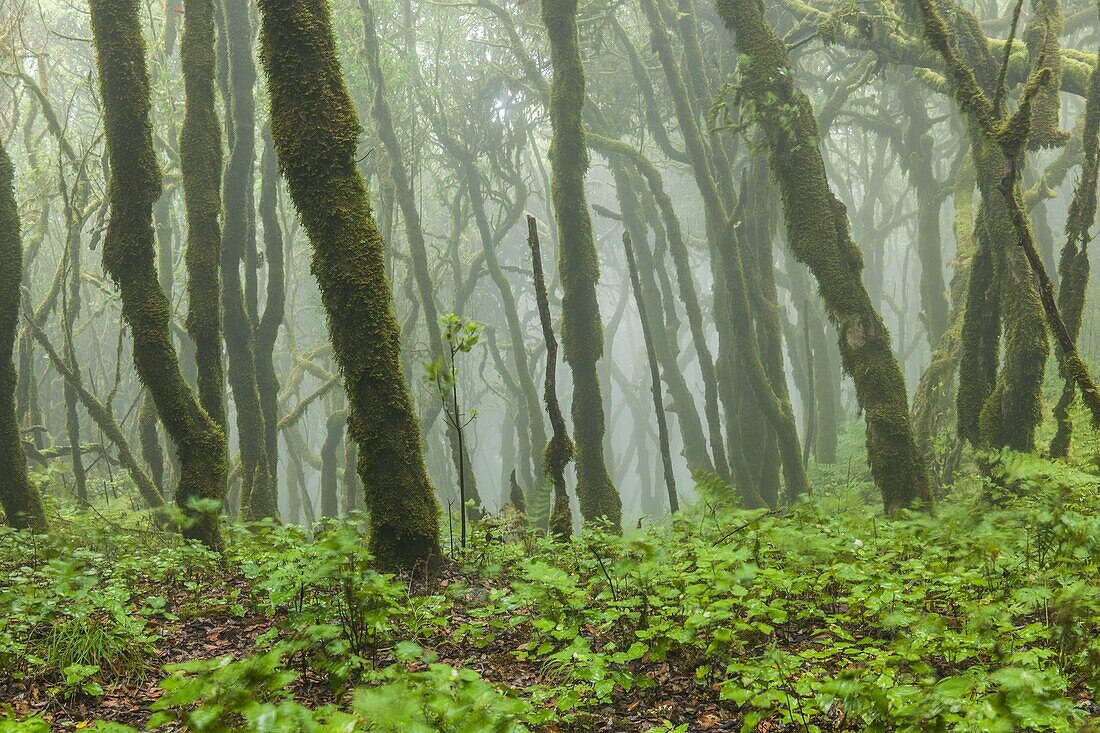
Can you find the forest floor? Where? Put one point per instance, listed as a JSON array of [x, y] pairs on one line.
[[129, 698], [826, 617]]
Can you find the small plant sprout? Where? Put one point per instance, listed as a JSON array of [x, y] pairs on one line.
[[461, 337]]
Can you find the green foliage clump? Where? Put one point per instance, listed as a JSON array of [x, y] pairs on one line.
[[336, 607], [65, 621]]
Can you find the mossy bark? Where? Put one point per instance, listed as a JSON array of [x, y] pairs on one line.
[[1013, 410], [315, 128], [201, 164], [759, 196], [129, 258], [1012, 406], [1073, 263], [1043, 38], [414, 232], [578, 263], [258, 490], [824, 243], [19, 498]]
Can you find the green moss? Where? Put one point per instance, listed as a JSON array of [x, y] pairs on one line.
[[1011, 409], [19, 498], [739, 356], [578, 264], [129, 253], [1043, 39], [201, 164], [1074, 260], [316, 131], [824, 243]]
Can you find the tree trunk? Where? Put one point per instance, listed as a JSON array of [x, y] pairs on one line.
[[559, 451], [258, 491], [128, 257], [654, 375], [316, 132], [21, 502], [582, 334], [201, 164], [823, 242], [267, 331]]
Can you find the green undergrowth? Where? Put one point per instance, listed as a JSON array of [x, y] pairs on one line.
[[982, 616]]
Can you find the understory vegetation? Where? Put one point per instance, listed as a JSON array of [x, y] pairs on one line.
[[981, 616]]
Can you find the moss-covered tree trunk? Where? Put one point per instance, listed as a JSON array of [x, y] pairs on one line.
[[758, 196], [129, 258], [201, 164], [739, 356], [1073, 263], [578, 263], [818, 234], [316, 130], [19, 498], [996, 408]]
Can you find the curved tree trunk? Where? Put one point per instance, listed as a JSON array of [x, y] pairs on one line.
[[654, 375], [824, 243], [559, 451], [128, 257], [582, 334], [1074, 260], [733, 308], [21, 502], [316, 130]]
